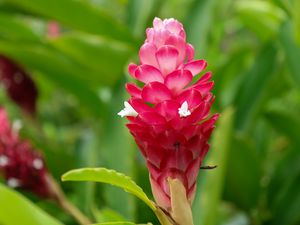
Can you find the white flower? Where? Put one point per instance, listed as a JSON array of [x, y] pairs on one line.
[[184, 110], [127, 111]]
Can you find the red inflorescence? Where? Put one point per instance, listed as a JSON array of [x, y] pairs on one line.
[[21, 166], [169, 116], [18, 84]]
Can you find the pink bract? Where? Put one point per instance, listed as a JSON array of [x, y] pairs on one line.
[[169, 116]]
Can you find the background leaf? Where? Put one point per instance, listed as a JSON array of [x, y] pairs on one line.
[[105, 58], [15, 28], [94, 21], [57, 69], [249, 100], [292, 51], [198, 24], [206, 204], [13, 204], [263, 17]]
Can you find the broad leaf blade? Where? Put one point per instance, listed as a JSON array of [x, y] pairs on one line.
[[283, 190], [16, 209], [140, 11], [110, 177], [107, 214], [58, 69], [77, 14], [252, 91], [263, 17], [292, 52], [117, 142], [297, 21], [208, 201], [283, 116], [198, 24], [12, 27], [107, 58], [242, 185]]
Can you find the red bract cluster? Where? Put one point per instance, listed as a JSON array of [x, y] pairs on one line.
[[169, 116], [21, 166], [20, 87]]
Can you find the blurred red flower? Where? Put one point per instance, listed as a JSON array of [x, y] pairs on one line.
[[21, 165], [18, 84]]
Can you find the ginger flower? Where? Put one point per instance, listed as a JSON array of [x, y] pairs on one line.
[[169, 115]]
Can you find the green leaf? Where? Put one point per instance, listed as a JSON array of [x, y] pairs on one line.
[[207, 202], [56, 68], [141, 175], [88, 155], [283, 115], [292, 52], [199, 23], [283, 190], [252, 91], [296, 15], [16, 209], [180, 8], [285, 122], [263, 17], [140, 11], [77, 14], [242, 179], [14, 27], [231, 74], [107, 214], [117, 141], [107, 58], [110, 177]]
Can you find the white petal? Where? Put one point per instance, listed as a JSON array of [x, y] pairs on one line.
[[185, 106], [127, 111], [37, 164], [3, 160], [157, 23], [13, 182], [17, 126], [184, 110]]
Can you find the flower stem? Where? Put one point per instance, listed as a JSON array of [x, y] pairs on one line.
[[65, 204]]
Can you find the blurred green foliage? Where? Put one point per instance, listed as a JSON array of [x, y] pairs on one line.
[[253, 49]]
